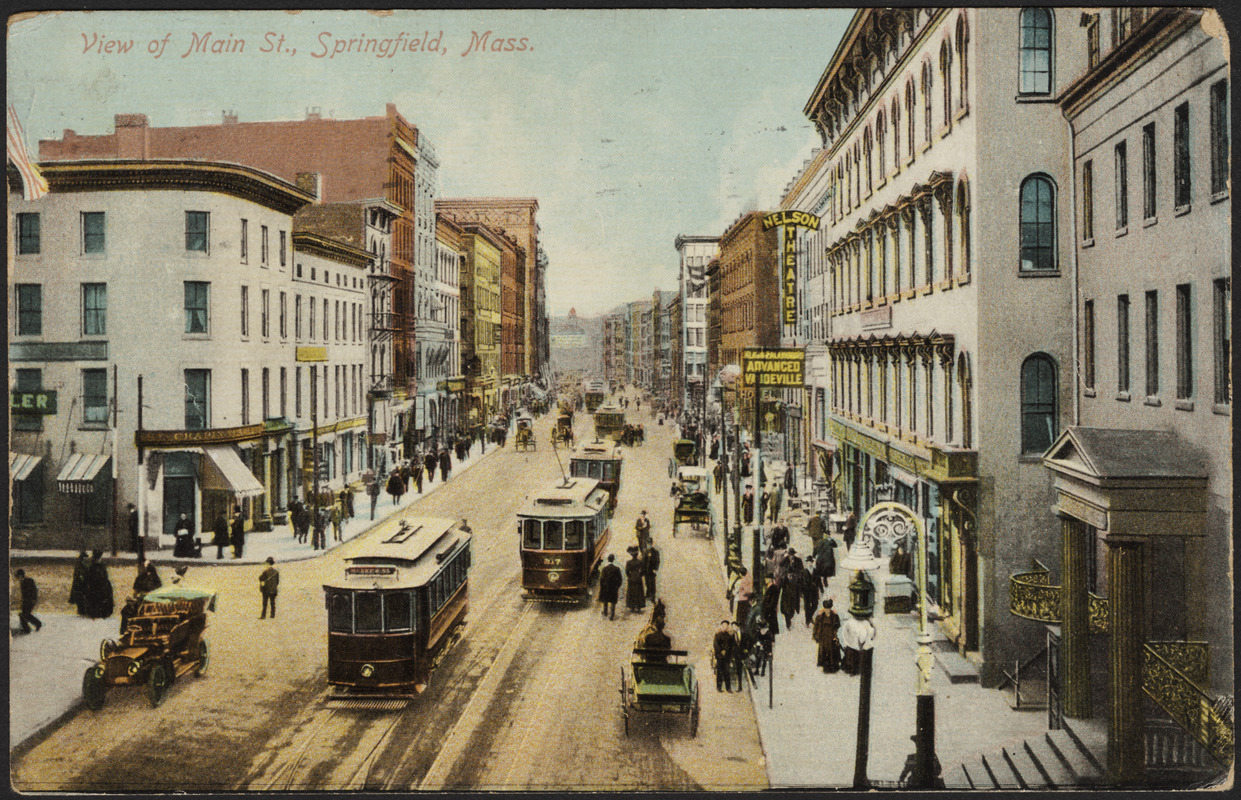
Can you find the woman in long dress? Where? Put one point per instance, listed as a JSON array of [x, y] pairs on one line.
[[635, 590], [826, 624]]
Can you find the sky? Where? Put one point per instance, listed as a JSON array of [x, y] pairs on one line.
[[629, 126]]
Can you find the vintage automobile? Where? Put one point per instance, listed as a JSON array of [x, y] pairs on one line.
[[525, 434], [600, 462], [693, 504], [659, 682], [685, 452], [609, 423], [162, 640]]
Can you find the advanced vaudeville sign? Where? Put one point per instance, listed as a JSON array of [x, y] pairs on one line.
[[774, 366]]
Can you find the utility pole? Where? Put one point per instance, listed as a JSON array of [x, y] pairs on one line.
[[115, 511], [142, 483], [314, 451]]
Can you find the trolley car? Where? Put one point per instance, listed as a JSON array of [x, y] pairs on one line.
[[601, 462], [397, 608], [609, 423], [562, 536], [596, 393]]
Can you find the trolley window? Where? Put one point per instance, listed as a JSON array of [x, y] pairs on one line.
[[397, 611], [553, 535], [340, 612], [531, 538], [609, 470], [367, 607], [573, 533]]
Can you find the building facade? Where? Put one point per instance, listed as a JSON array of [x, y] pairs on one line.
[[480, 320], [694, 252]]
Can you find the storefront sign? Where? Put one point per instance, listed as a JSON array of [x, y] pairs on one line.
[[210, 436], [782, 367], [790, 221], [451, 385], [306, 353], [41, 402]]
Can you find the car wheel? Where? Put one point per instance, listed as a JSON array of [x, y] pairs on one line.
[[157, 684], [202, 659], [93, 687]]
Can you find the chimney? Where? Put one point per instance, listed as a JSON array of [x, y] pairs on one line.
[[230, 118], [311, 182], [132, 140], [313, 113]]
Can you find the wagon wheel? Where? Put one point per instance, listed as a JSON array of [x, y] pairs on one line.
[[93, 687], [203, 658], [624, 692], [157, 684], [693, 714]]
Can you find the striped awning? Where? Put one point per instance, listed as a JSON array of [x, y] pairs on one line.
[[21, 465], [78, 474], [223, 470]]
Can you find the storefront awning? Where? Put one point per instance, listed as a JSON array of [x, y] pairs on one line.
[[78, 474], [21, 465], [223, 471]]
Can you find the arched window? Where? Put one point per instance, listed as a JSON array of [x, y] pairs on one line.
[[881, 141], [896, 133], [963, 37], [1038, 403], [926, 102], [1038, 224], [945, 75], [867, 154], [963, 220], [1036, 51], [909, 116]]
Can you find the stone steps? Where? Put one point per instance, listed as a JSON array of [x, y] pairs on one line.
[[1057, 759]]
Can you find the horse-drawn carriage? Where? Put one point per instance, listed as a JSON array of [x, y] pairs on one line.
[[162, 640], [685, 452], [658, 679], [525, 434], [693, 500]]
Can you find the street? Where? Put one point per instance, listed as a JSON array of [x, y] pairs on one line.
[[526, 699]]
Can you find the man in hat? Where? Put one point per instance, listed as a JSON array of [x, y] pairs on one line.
[[642, 527], [650, 566], [722, 651], [610, 580], [269, 586], [30, 596]]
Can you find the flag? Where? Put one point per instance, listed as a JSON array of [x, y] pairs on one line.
[[34, 185]]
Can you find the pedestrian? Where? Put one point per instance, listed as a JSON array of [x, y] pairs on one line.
[[642, 527], [610, 579], [715, 447], [764, 502], [850, 531], [825, 559], [238, 538], [134, 533], [824, 633], [790, 481], [269, 586], [372, 491], [319, 541], [856, 634], [747, 505], [718, 475], [650, 568], [445, 464], [148, 579], [790, 589], [815, 530], [738, 654], [430, 461], [335, 516], [396, 486], [30, 597], [809, 589], [182, 538], [635, 594], [771, 606], [98, 588], [77, 589], [346, 503], [780, 537], [744, 594], [219, 532], [722, 645]]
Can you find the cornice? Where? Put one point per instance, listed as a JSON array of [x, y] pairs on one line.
[[307, 242]]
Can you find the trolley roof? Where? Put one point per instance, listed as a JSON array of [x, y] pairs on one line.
[[596, 452], [408, 557], [572, 499]]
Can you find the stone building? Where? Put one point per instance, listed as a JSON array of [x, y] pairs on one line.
[[694, 253]]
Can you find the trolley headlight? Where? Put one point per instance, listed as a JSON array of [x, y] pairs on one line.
[[368, 670], [553, 576], [133, 668]]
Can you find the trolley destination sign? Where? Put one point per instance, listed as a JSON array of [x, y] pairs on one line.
[[774, 367]]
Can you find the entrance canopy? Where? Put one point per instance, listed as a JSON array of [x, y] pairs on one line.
[[21, 465], [223, 471], [79, 473]]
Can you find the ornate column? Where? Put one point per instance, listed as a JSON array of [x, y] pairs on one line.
[[1126, 757], [1074, 619]]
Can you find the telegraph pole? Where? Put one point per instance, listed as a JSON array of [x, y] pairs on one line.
[[115, 511], [314, 453]]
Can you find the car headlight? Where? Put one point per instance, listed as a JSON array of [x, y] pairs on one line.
[[133, 668], [368, 670]]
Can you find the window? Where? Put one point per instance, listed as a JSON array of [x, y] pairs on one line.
[[245, 397], [1180, 164], [94, 397], [245, 240], [1122, 187], [265, 393], [1038, 224], [92, 232], [297, 316], [1088, 201], [1152, 344], [196, 306], [1092, 41], [263, 245], [29, 309], [909, 117], [310, 302], [325, 319], [1088, 352], [197, 399], [265, 312], [94, 309], [1184, 344], [1038, 403], [963, 37], [27, 234], [297, 391], [1035, 51], [245, 311], [927, 104], [196, 231], [1219, 137], [284, 392], [945, 75], [284, 316], [1122, 343], [284, 247], [28, 380], [1148, 171], [1223, 340]]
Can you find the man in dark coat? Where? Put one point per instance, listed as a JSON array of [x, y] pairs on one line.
[[715, 448], [642, 528], [850, 530], [809, 589], [148, 579], [747, 505], [723, 654], [372, 491], [610, 580], [445, 464], [635, 595], [790, 588], [269, 587], [430, 461], [238, 538], [825, 560], [815, 530], [30, 596], [319, 540], [98, 589], [771, 606], [396, 486], [649, 570], [77, 589], [219, 532], [415, 474]]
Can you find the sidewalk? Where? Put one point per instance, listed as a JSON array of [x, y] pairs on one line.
[[809, 732]]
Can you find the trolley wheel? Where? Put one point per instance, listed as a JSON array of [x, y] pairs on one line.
[[157, 684], [203, 658], [93, 687]]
